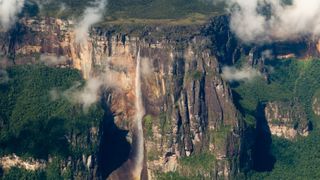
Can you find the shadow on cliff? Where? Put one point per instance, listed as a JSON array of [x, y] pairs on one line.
[[263, 160], [259, 138], [114, 148]]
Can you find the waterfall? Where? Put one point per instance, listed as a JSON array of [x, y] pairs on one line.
[[139, 155]]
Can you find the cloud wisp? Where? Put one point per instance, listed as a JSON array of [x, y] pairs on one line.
[[259, 21], [52, 60], [86, 96], [92, 15], [90, 92], [9, 9], [233, 74]]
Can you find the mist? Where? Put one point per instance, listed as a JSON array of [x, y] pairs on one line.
[[260, 21], [91, 16], [233, 74], [146, 66], [9, 9], [52, 60], [89, 93], [4, 77], [87, 96]]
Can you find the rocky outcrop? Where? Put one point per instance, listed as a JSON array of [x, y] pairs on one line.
[[286, 119], [8, 162]]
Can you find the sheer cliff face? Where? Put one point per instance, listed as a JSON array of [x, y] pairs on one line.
[[189, 108], [286, 119]]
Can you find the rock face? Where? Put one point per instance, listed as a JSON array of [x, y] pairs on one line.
[[189, 108], [7, 162], [286, 119]]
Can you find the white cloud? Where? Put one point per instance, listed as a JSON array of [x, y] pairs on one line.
[[92, 15], [9, 9], [90, 93], [284, 21], [244, 74], [86, 96]]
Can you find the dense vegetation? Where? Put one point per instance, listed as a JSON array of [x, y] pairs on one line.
[[32, 122], [158, 9], [295, 160], [17, 173], [154, 9], [289, 80]]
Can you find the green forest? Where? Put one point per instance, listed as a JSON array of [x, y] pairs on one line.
[[289, 79], [145, 9], [33, 124]]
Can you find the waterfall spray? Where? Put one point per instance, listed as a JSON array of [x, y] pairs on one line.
[[138, 122]]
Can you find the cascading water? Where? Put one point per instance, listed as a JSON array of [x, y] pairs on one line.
[[139, 152]]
